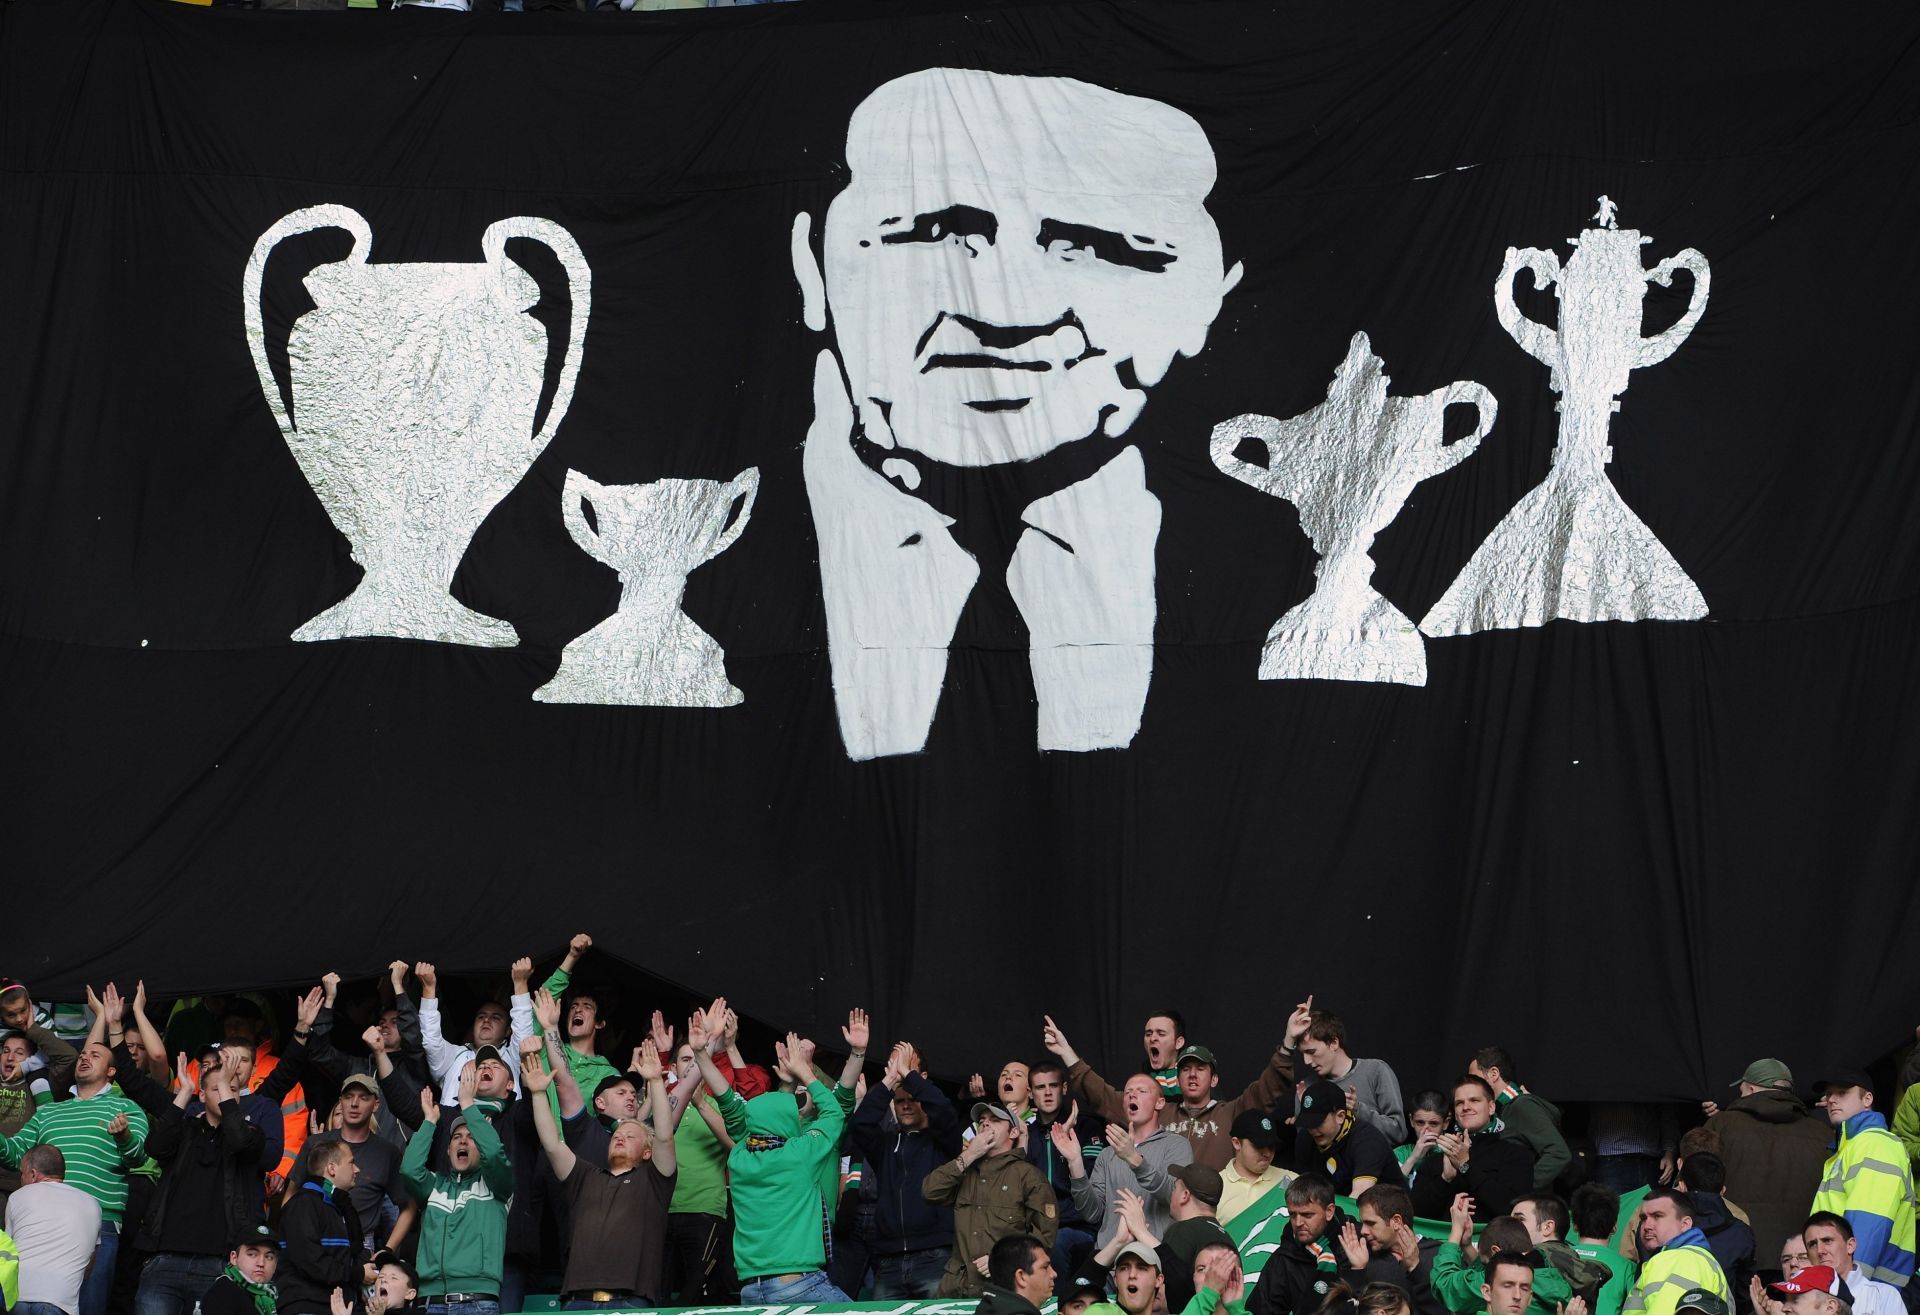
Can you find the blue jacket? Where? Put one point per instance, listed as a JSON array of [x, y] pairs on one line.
[[897, 1162]]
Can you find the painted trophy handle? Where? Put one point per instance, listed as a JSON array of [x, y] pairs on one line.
[[579, 288], [1464, 392], [1535, 338], [1228, 434], [577, 489], [292, 225], [744, 485], [1662, 345]]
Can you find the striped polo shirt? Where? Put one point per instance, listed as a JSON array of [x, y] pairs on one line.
[[96, 1163]]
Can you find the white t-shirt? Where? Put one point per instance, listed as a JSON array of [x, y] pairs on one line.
[[56, 1228], [1872, 1297]]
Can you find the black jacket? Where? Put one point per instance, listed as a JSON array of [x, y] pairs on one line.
[[1731, 1243], [226, 1297], [1046, 1158], [1294, 1281], [198, 1163], [1499, 1171], [1418, 1285], [998, 1301], [321, 1251], [898, 1162]]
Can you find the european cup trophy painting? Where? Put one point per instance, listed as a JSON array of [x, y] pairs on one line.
[[413, 390]]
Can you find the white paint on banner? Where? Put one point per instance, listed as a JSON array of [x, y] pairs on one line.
[[412, 395], [1013, 264], [1572, 549], [650, 652], [1349, 465]]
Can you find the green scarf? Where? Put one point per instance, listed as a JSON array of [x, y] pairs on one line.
[[265, 1299]]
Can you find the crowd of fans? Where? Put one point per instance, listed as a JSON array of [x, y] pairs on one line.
[[378, 1156]]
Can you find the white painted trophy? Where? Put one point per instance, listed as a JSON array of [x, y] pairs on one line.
[[413, 390], [1571, 548], [649, 652], [1349, 465]]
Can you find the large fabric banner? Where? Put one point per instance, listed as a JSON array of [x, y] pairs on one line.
[[975, 510]]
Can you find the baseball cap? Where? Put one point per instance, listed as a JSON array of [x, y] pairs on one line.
[[385, 1257], [1841, 1081], [1139, 1250], [360, 1080], [1257, 1127], [1813, 1278], [256, 1235], [612, 1080], [1707, 1303], [1318, 1101], [983, 1108], [484, 1053], [1766, 1073], [1201, 1181], [1200, 1053], [1076, 1289]]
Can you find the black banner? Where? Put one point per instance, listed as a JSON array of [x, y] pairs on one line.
[[975, 510]]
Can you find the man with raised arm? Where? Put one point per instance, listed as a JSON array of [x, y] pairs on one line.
[[211, 1161], [376, 1156], [387, 1040], [1320, 1039], [492, 1026], [1205, 1122], [780, 1216], [102, 1135], [583, 1018], [618, 1239], [463, 1238], [1138, 1157], [903, 1131]]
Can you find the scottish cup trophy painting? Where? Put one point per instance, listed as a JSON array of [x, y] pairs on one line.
[[1572, 549]]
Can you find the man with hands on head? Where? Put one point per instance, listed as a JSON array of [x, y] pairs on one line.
[[994, 1192], [903, 1131], [1138, 1158], [618, 1240], [463, 1229]]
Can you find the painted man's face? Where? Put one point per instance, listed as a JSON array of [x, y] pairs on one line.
[[1016, 261]]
